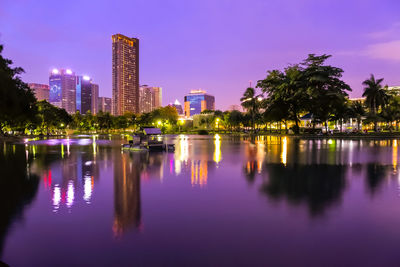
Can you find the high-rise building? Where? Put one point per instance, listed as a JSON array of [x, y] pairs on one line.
[[87, 94], [178, 107], [83, 94], [95, 98], [125, 74], [197, 101], [146, 99], [150, 98], [157, 97], [41, 91], [63, 89], [104, 104]]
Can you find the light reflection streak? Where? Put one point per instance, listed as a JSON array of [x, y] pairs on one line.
[[87, 189], [56, 197], [217, 151], [394, 156], [284, 151], [70, 194]]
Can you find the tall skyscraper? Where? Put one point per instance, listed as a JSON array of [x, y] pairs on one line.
[[63, 89], [41, 91], [125, 74], [104, 104], [83, 94], [198, 101]]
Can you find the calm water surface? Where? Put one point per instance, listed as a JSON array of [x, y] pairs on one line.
[[214, 201]]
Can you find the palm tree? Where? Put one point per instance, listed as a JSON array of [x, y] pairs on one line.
[[376, 96], [250, 101], [358, 111]]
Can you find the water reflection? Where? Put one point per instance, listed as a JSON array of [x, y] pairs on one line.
[[127, 209], [18, 187], [315, 172]]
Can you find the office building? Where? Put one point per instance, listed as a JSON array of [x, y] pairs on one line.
[[146, 99], [104, 104], [125, 74], [150, 98], [95, 98], [178, 107], [63, 89], [157, 97], [197, 101], [41, 91]]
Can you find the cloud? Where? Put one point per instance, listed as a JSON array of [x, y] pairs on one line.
[[386, 50], [391, 32]]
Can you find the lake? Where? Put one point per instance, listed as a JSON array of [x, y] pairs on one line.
[[215, 201]]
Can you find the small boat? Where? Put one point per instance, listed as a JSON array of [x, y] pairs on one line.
[[149, 139]]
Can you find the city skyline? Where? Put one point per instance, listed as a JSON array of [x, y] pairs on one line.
[[238, 43]]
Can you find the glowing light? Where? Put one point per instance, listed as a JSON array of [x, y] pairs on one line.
[[330, 141], [284, 151], [177, 102], [86, 78], [259, 98], [55, 71], [159, 122], [68, 71]]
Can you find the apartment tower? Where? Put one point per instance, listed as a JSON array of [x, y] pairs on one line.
[[125, 74]]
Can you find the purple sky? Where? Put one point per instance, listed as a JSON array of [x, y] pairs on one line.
[[216, 45]]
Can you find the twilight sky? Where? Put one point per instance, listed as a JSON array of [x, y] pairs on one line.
[[216, 45]]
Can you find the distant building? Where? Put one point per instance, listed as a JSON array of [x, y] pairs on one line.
[[63, 89], [104, 104], [178, 107], [157, 97], [197, 101], [125, 74], [87, 94], [95, 98], [150, 98], [41, 91], [394, 90], [146, 99]]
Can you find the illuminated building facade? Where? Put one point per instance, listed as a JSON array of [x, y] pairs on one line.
[[125, 74], [104, 104], [146, 99], [63, 89], [157, 97], [41, 91], [198, 101], [87, 94], [95, 98], [150, 98], [178, 107]]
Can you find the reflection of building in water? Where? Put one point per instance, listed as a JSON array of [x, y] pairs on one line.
[[70, 177], [127, 214], [197, 159], [199, 170]]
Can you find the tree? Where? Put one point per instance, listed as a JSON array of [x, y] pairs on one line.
[[357, 112], [250, 101], [376, 96], [326, 91], [17, 101]]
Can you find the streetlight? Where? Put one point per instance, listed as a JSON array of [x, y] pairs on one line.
[[217, 123], [180, 123]]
